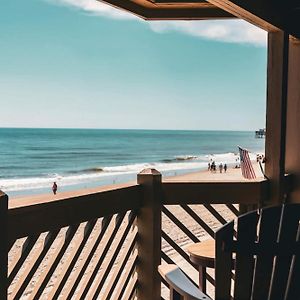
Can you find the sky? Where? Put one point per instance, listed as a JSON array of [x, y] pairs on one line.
[[82, 64]]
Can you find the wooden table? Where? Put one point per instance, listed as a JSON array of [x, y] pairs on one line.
[[203, 256]]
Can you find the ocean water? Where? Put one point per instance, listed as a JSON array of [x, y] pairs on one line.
[[31, 159]]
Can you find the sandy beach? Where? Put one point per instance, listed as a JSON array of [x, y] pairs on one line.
[[232, 174], [178, 236]]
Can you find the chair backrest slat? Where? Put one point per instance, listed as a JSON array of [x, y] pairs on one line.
[[244, 262], [223, 266], [267, 262], [293, 291], [287, 234], [268, 233]]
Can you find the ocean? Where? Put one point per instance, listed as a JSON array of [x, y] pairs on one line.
[[31, 159]]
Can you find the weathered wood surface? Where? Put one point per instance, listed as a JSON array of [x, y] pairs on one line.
[[178, 10], [223, 265], [60, 211], [149, 231], [264, 262], [276, 114], [3, 245], [267, 253], [246, 234], [292, 155], [268, 15], [252, 192]]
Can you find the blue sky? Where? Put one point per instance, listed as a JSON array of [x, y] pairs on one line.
[[75, 63]]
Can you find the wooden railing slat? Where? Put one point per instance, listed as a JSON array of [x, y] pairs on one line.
[[21, 285], [246, 192], [123, 261], [215, 213], [177, 248], [180, 225], [53, 263], [115, 250], [233, 209], [131, 289], [96, 268], [26, 248], [128, 273], [199, 220], [49, 216], [71, 288]]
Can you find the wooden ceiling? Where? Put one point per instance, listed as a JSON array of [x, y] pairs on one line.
[[171, 9], [270, 15]]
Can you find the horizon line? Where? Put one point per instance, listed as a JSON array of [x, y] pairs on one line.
[[106, 128]]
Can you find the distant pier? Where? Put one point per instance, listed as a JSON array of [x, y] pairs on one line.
[[261, 133]]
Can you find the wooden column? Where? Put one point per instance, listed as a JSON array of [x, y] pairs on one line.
[[277, 78], [149, 235], [3, 245], [293, 119]]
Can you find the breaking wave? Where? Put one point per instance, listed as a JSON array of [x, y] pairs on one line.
[[178, 163]]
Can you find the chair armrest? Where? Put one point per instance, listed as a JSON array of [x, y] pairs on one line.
[[180, 283]]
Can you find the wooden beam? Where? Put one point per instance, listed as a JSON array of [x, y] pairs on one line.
[[52, 215], [178, 193], [277, 79], [292, 155], [148, 10], [186, 13], [149, 233], [3, 245], [175, 2], [268, 15]]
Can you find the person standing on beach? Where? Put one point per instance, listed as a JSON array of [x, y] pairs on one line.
[[54, 188], [225, 168], [221, 167], [213, 167], [209, 166]]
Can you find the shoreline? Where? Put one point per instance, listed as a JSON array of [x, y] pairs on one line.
[[232, 175]]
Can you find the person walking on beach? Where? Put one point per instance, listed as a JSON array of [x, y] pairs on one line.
[[209, 166], [54, 188], [225, 168]]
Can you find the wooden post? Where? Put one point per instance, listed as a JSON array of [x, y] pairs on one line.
[[276, 114], [149, 235], [292, 159], [3, 245]]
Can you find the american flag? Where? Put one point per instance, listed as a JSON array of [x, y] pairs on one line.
[[246, 165]]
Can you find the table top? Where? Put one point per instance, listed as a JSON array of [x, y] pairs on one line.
[[203, 253]]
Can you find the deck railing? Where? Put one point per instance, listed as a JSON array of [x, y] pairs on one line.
[[108, 243]]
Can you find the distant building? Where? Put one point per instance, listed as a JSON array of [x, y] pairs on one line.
[[261, 133]]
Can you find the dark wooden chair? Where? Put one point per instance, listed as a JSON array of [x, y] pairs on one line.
[[267, 258]]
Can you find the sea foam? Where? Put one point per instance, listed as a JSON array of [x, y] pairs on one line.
[[178, 163]]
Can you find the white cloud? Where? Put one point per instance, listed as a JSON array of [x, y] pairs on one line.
[[96, 8], [232, 31]]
